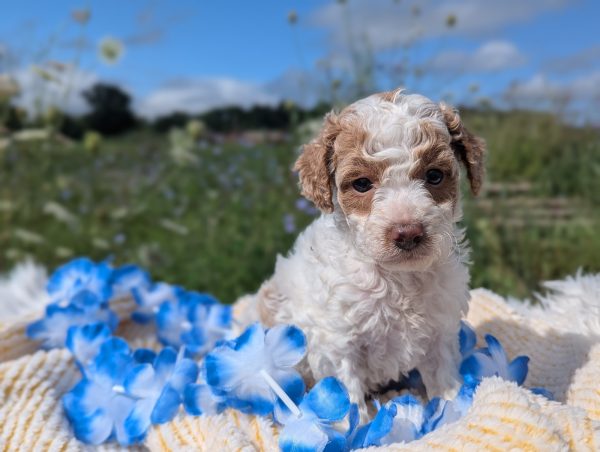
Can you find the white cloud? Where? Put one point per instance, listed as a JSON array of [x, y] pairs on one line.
[[385, 24], [579, 96], [59, 86], [199, 95], [493, 56], [584, 59]]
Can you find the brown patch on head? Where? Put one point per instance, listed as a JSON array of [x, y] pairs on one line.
[[339, 150], [314, 165], [434, 152], [351, 162], [468, 148]]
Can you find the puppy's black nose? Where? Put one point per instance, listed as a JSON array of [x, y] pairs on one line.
[[408, 236]]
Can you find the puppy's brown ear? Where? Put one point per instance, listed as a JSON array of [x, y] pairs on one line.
[[314, 165], [469, 149]]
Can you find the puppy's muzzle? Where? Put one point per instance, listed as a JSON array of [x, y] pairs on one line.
[[407, 236]]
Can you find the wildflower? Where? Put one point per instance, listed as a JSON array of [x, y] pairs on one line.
[[255, 369], [451, 20], [63, 252], [92, 141], [172, 226], [81, 16], [474, 87], [29, 135], [44, 74], [28, 237], [492, 361], [100, 243], [312, 429], [158, 389], [8, 87], [303, 205], [195, 129], [292, 17], [195, 320], [60, 213], [120, 238], [182, 146], [289, 223], [111, 50]]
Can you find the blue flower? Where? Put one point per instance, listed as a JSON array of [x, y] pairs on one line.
[[158, 389], [440, 412], [98, 406], [467, 339], [80, 275], [312, 430], [303, 205], [194, 320], [128, 277], [149, 298], [543, 392], [492, 361], [79, 292], [199, 398], [52, 329], [289, 223], [250, 369], [84, 342], [408, 417], [373, 432], [144, 356]]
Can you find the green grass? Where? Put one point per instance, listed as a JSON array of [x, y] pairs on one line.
[[217, 224], [538, 219]]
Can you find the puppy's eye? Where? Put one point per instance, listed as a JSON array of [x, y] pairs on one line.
[[434, 176], [362, 185]]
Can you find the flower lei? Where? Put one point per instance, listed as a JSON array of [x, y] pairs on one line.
[[123, 392]]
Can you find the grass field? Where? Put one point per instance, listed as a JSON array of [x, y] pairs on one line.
[[217, 222]]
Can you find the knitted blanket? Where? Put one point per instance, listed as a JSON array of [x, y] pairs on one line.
[[560, 334]]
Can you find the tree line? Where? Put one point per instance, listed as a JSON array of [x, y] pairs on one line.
[[111, 113]]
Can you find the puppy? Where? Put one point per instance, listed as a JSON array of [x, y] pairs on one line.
[[379, 282]]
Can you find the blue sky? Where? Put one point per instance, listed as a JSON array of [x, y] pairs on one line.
[[193, 55]]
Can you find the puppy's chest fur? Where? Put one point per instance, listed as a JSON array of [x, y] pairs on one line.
[[354, 313]]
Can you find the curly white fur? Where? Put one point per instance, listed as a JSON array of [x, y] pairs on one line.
[[23, 291]]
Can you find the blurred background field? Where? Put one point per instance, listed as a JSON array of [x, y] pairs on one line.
[[192, 178]]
